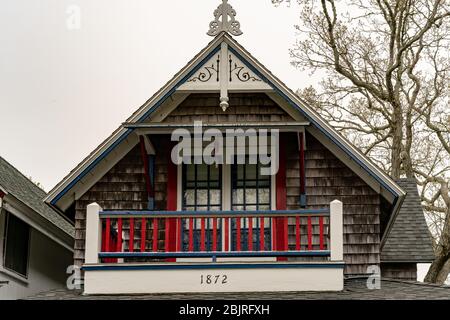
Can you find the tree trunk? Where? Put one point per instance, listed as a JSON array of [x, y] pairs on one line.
[[436, 272], [396, 160]]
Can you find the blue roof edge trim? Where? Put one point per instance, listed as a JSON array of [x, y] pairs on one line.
[[125, 134], [184, 79], [323, 130]]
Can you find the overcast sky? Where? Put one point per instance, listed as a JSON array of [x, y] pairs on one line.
[[62, 91]]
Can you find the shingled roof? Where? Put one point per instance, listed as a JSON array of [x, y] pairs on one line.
[[409, 239], [354, 289], [16, 184]]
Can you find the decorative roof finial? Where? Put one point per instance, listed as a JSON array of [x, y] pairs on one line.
[[228, 22]]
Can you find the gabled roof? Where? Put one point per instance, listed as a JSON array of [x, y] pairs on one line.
[[288, 96], [14, 183], [409, 239]]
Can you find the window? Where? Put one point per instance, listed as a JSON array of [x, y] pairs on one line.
[[251, 191], [202, 191], [202, 187], [16, 245]]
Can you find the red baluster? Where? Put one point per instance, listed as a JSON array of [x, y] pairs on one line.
[[238, 234], [227, 235], [214, 246], [321, 233], [143, 233], [286, 235], [155, 235], [309, 234], [297, 233], [119, 235], [250, 234], [191, 234], [179, 236], [167, 236], [108, 234], [261, 234], [202, 235], [131, 242]]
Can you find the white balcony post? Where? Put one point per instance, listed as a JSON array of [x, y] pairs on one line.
[[93, 233], [336, 231]]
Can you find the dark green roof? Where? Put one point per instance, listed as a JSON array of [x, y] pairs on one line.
[[15, 183], [409, 239]]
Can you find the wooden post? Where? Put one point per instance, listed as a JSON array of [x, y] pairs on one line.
[[93, 233], [336, 231], [280, 224]]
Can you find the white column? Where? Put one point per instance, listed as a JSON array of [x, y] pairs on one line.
[[93, 233], [336, 231]]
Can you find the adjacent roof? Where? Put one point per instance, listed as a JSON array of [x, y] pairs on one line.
[[409, 239], [354, 289], [13, 182]]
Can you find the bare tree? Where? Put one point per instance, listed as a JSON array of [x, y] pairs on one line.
[[386, 66]]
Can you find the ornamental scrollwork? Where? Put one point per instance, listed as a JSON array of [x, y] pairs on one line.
[[208, 73], [240, 73]]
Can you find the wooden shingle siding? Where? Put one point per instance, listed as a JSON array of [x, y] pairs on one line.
[[400, 271], [244, 107], [327, 178], [123, 188]]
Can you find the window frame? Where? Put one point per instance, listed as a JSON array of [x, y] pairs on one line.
[[7, 220], [184, 188], [233, 173]]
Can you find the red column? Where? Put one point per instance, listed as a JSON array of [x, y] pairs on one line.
[[171, 227], [281, 224]]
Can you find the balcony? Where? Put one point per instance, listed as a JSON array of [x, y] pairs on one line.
[[213, 251]]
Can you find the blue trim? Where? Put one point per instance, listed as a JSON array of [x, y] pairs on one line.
[[293, 104], [125, 134], [196, 68], [214, 266], [217, 254], [240, 213]]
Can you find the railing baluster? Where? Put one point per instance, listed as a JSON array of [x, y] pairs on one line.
[[131, 242], [202, 235], [119, 235], [297, 233], [286, 235], [179, 245], [309, 234], [107, 234], [143, 233], [155, 235], [167, 233], [238, 234], [250, 234], [321, 233], [214, 245], [227, 234], [191, 234], [261, 234]]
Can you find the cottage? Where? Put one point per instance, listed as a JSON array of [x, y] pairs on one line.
[[148, 223], [36, 242]]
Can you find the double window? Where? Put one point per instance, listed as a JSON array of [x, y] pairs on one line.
[[250, 191], [16, 245]]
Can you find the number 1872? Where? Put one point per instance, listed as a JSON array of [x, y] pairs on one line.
[[213, 279]]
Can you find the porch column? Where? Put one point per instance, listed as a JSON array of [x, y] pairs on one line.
[[93, 233], [336, 231]]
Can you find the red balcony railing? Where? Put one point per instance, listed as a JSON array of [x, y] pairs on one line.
[[188, 234]]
